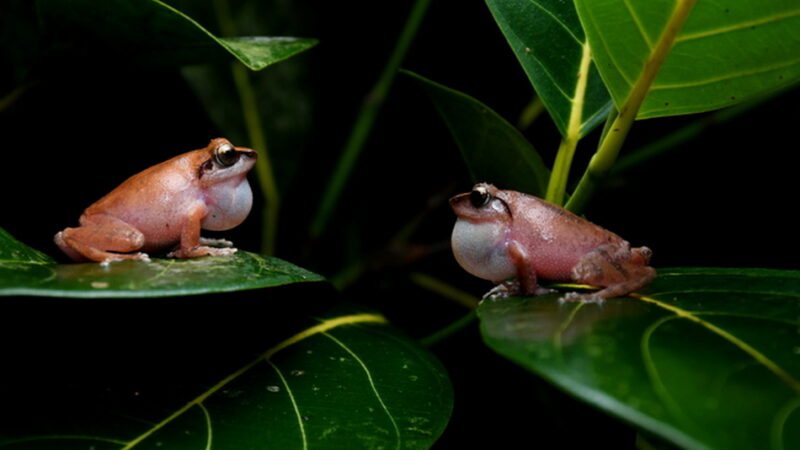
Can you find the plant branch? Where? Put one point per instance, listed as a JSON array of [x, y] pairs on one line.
[[366, 117], [603, 160]]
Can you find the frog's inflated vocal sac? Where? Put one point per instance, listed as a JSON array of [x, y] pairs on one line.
[[165, 207], [502, 235]]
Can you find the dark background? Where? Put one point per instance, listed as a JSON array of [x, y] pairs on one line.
[[725, 199]]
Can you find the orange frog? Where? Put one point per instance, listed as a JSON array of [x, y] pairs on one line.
[[513, 239], [165, 207]]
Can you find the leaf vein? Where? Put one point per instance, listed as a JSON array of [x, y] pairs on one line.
[[320, 328], [639, 27], [773, 367], [739, 26], [295, 406], [558, 21], [611, 55], [371, 384], [655, 379], [727, 76]]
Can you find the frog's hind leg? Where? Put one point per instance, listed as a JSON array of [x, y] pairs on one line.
[[619, 271], [102, 238]]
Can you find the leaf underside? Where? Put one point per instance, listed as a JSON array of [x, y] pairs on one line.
[[488, 143], [727, 51], [706, 358], [547, 38]]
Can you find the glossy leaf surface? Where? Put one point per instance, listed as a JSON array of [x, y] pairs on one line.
[[547, 38], [488, 143], [345, 381], [154, 31], [24, 271], [726, 52], [706, 358]]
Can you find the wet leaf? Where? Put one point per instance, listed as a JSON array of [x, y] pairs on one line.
[[345, 381], [548, 40], [24, 271], [727, 51], [706, 358], [488, 143]]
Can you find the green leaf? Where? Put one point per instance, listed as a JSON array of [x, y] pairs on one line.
[[727, 51], [547, 38], [155, 31], [24, 271], [347, 381], [706, 358], [489, 144]]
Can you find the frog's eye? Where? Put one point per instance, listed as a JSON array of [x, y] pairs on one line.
[[479, 197], [225, 155]]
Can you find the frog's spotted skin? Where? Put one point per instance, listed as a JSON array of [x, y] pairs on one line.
[[507, 234], [165, 206]]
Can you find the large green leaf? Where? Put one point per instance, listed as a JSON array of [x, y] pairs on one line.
[[707, 358], [489, 144], [547, 38], [24, 271], [155, 31], [726, 52], [346, 381]]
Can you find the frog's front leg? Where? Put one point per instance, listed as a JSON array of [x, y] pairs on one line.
[[191, 244], [619, 269], [526, 276], [102, 237]]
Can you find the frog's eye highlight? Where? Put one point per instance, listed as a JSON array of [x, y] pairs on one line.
[[479, 197], [225, 155]]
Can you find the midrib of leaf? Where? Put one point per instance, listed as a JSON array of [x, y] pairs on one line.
[[606, 154], [320, 328], [557, 186], [745, 347]]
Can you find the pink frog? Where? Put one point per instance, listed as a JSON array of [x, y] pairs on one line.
[[514, 239]]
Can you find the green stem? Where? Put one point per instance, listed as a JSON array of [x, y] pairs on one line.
[[603, 160], [530, 113], [449, 330], [445, 290], [366, 117], [256, 136], [557, 186], [264, 171]]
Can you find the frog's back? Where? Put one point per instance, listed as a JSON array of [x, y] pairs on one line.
[[556, 238]]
